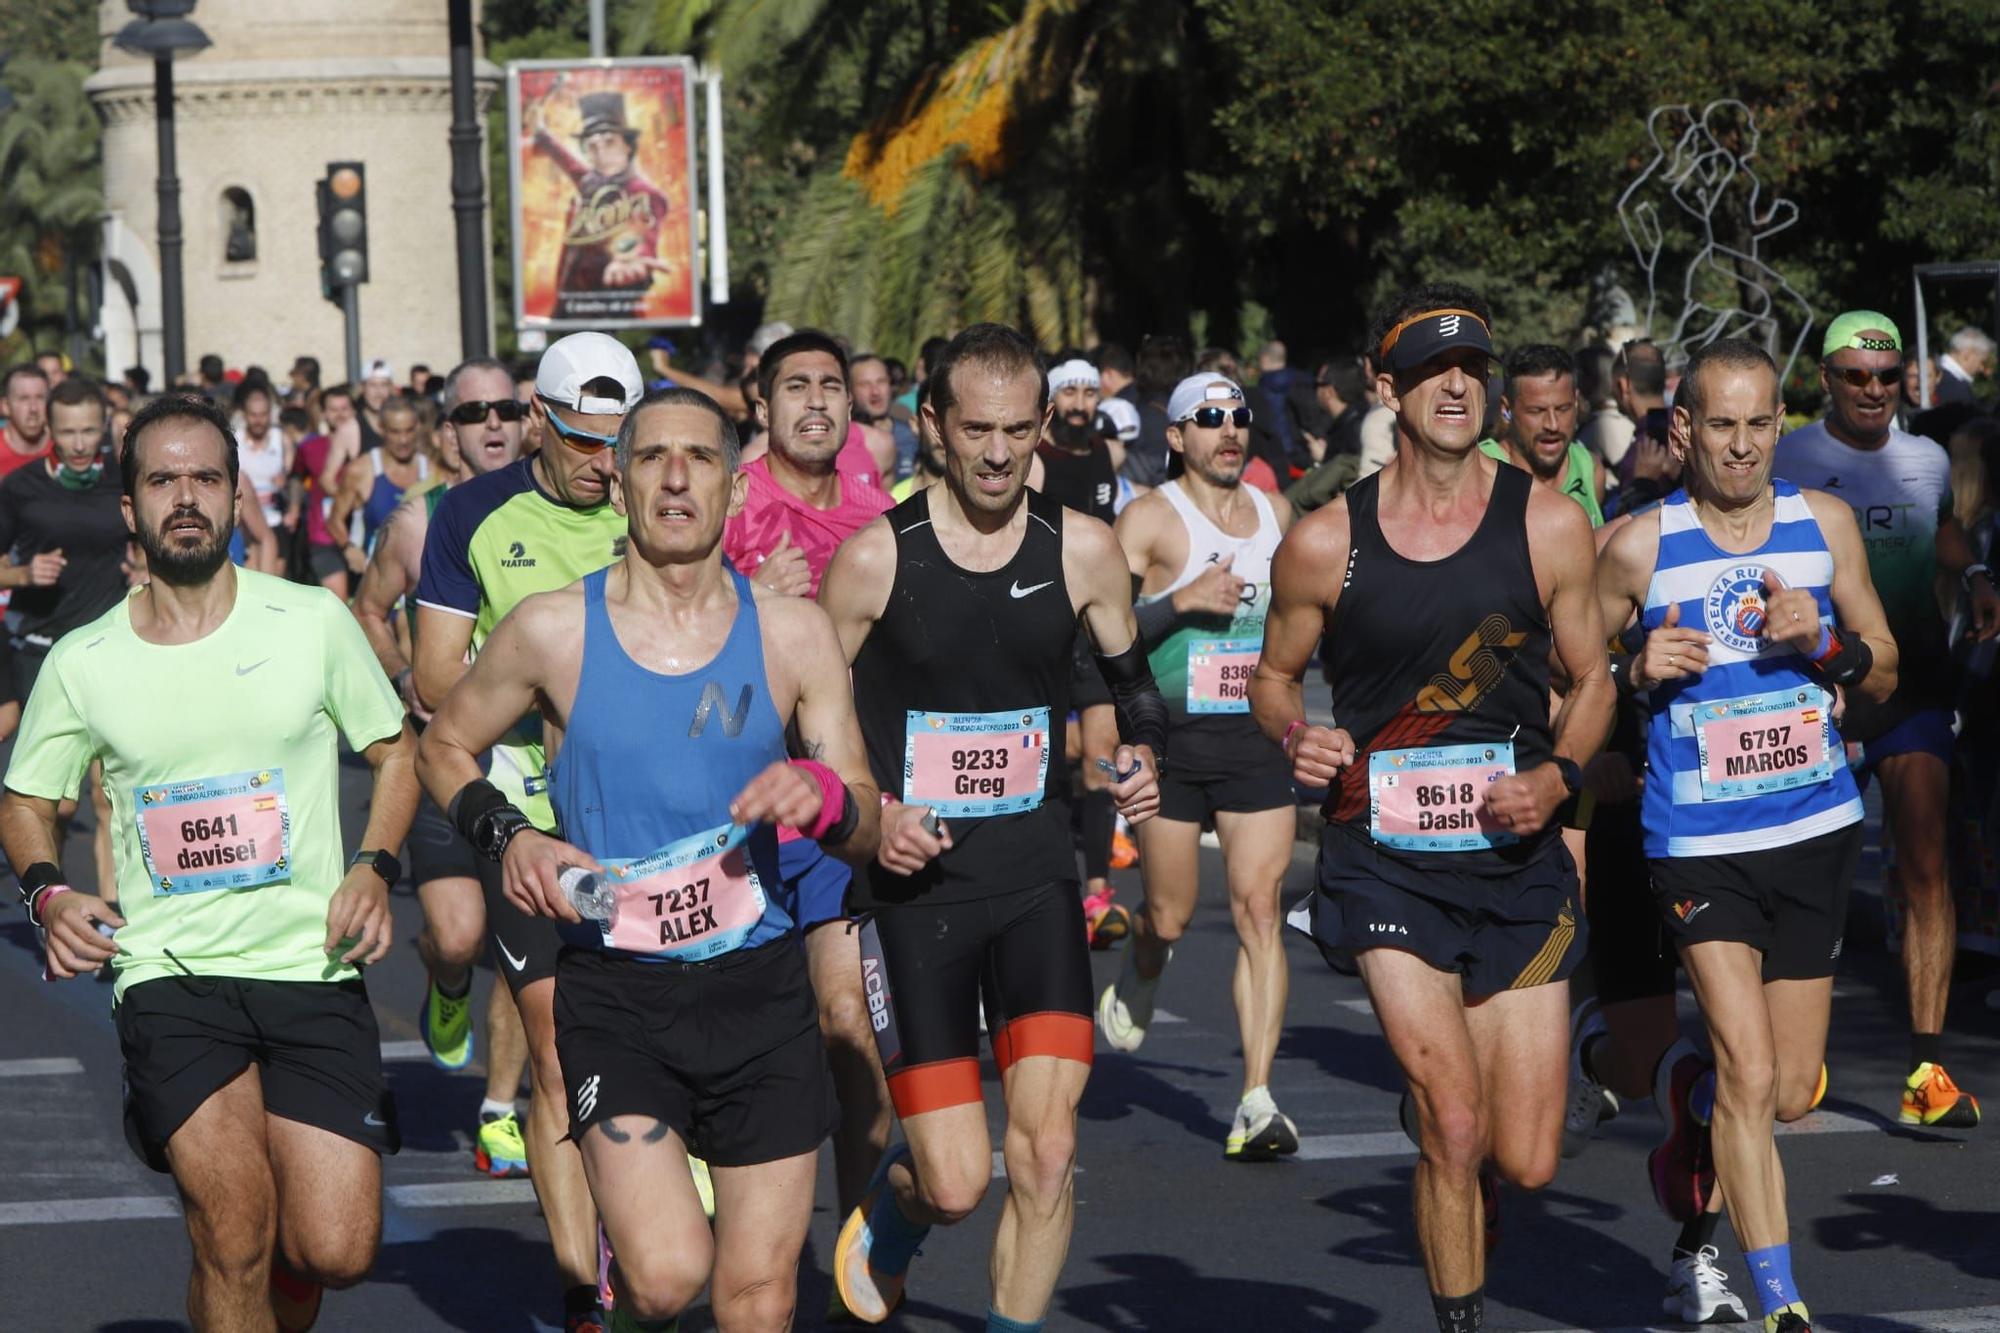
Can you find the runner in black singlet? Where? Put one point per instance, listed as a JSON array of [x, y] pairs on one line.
[[959, 609], [1441, 875]]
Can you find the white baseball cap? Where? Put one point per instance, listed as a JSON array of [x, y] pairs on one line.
[[1074, 371], [1124, 418], [1196, 390], [378, 369], [572, 362]]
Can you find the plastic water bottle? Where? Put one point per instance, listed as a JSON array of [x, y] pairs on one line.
[[592, 899]]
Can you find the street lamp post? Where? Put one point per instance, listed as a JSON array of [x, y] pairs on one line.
[[161, 31]]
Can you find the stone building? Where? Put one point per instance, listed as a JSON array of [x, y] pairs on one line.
[[287, 87]]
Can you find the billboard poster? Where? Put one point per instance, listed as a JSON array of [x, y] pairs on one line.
[[602, 165]]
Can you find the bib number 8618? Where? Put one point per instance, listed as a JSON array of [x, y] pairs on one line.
[[1447, 793]]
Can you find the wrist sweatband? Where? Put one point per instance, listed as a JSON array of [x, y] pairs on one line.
[[1843, 661], [837, 814], [1156, 619], [475, 800], [1142, 713], [1621, 674], [41, 900]]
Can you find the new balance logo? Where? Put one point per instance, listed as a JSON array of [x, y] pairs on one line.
[[586, 1098], [1448, 326], [732, 720]]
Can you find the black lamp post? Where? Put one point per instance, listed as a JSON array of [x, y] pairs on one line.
[[162, 31]]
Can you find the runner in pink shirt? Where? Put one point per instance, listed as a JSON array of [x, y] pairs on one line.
[[813, 488]]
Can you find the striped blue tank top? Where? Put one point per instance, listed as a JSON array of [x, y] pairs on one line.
[[1745, 756], [648, 766]]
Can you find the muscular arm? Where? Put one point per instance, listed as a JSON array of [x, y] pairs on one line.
[[1563, 548], [503, 683], [1095, 568], [1304, 587], [28, 830], [350, 497], [826, 725], [1857, 608], [390, 576], [394, 803], [855, 588], [342, 447], [441, 640]]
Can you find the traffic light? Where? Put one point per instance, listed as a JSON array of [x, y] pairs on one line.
[[343, 227]]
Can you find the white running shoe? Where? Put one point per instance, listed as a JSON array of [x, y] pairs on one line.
[[1260, 1132], [1589, 1100], [1125, 1010], [1698, 1291]]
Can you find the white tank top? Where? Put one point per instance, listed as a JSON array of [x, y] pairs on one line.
[[1207, 544], [266, 469]]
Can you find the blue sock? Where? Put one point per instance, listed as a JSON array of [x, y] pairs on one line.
[[1771, 1270], [893, 1238], [1000, 1323]]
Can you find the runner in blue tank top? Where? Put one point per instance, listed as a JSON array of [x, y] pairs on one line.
[[1758, 611], [686, 1021]]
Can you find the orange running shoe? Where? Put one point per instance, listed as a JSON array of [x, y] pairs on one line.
[[1930, 1098], [1819, 1093], [1104, 922], [294, 1300], [1124, 851]]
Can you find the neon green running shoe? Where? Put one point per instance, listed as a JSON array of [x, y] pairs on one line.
[[447, 1027], [500, 1153], [703, 1185]]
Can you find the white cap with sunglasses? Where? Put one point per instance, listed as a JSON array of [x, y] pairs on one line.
[[1202, 390], [570, 365]]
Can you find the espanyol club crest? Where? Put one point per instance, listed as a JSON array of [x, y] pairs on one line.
[[1734, 608]]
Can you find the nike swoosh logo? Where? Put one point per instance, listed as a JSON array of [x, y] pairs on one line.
[[374, 1121], [246, 670], [516, 963], [1019, 591]]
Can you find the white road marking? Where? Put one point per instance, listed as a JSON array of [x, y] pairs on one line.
[[1000, 1166], [1394, 1143], [405, 1050], [57, 1064], [46, 1211], [1162, 1016], [461, 1193], [1972, 1319]]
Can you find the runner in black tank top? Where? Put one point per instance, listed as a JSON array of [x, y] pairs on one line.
[[1440, 586], [959, 610], [1084, 481], [953, 641]]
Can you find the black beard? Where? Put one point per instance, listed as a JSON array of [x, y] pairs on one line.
[[1070, 435], [184, 568], [864, 416]]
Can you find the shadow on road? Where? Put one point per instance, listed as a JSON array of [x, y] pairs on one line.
[[1160, 1291], [1889, 1221], [1351, 1057], [483, 1278]]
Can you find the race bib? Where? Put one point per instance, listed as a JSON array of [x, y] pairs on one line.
[[231, 832], [972, 765], [1764, 743], [1218, 672], [1433, 799], [691, 901]]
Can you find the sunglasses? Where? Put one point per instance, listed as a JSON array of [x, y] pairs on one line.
[[1208, 418], [1855, 377], [472, 413], [580, 440]]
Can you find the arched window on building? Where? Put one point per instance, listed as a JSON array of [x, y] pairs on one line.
[[239, 226]]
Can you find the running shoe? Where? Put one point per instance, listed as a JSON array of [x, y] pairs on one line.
[[1260, 1132], [588, 1321], [1791, 1319], [704, 1185], [1124, 851], [1589, 1101], [294, 1300], [1819, 1093], [1104, 922], [1698, 1292], [1682, 1167], [868, 1296], [447, 1027], [1931, 1098], [1125, 1010], [500, 1151], [607, 1299]]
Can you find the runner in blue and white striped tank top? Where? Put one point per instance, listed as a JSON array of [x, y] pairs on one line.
[[1755, 795]]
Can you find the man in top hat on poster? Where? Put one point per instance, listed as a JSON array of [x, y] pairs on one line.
[[611, 239]]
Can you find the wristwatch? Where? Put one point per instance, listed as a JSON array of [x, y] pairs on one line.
[[1975, 571], [492, 831], [1572, 773], [383, 864]]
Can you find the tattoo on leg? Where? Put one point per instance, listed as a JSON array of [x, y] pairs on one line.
[[612, 1132], [616, 1134], [657, 1132]]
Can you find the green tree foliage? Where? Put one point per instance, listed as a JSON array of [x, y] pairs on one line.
[[1112, 168], [54, 193]]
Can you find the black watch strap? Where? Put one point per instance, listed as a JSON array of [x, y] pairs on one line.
[[1572, 774], [383, 864], [496, 829]]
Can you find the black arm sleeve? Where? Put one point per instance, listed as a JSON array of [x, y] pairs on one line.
[[1142, 713], [1156, 620]]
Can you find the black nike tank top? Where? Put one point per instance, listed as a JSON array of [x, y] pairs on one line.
[[1084, 482], [962, 690], [1444, 652]]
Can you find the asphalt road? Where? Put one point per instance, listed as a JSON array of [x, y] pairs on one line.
[[1894, 1231]]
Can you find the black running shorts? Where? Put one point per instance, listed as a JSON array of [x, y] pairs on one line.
[[1789, 903], [926, 967], [727, 1052], [1222, 764], [1629, 955], [1498, 932], [437, 849], [315, 1044], [525, 947]]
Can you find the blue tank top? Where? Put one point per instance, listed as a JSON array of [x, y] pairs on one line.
[[1745, 756], [643, 782], [383, 497]]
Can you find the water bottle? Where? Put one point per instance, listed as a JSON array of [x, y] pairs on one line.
[[592, 899]]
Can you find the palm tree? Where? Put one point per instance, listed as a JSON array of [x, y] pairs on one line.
[[54, 194]]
